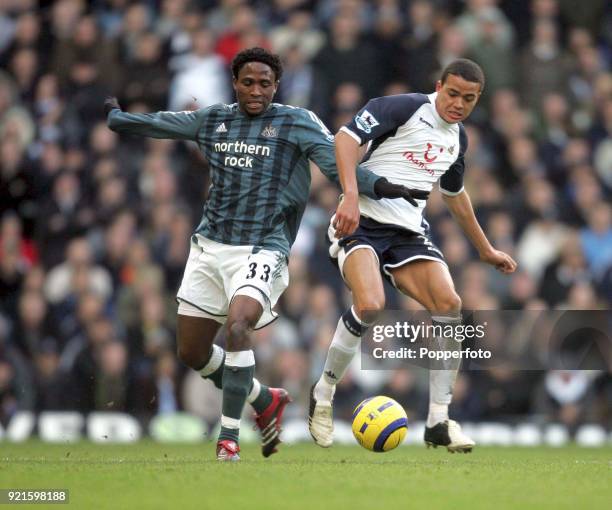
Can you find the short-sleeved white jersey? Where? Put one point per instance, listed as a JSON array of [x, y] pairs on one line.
[[410, 144]]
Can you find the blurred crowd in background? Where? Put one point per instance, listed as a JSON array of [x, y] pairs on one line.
[[95, 228]]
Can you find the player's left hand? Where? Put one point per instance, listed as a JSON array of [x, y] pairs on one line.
[[110, 103], [346, 219], [503, 262]]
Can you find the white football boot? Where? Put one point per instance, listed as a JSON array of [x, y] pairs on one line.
[[320, 421]]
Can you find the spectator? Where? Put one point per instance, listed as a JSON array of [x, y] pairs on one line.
[[86, 370], [347, 57], [202, 79], [145, 80], [34, 326], [66, 216], [137, 20], [597, 238], [62, 279], [50, 381], [565, 397], [112, 382], [168, 22], [16, 385], [17, 190], [470, 23], [297, 33], [420, 63], [85, 44], [559, 277], [492, 48], [243, 32], [544, 66], [541, 241], [302, 84], [12, 240], [26, 34]]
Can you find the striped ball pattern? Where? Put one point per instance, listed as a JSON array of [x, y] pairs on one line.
[[379, 424]]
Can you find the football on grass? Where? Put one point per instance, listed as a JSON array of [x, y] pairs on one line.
[[379, 424]]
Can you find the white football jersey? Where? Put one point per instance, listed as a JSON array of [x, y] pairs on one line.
[[410, 144]]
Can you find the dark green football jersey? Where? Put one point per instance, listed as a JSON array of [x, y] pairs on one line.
[[260, 175]]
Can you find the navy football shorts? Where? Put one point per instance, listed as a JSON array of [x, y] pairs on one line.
[[392, 245]]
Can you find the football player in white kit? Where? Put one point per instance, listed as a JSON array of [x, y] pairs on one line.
[[415, 140]]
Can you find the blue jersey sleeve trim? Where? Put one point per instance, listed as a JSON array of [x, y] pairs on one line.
[[451, 182], [383, 115]]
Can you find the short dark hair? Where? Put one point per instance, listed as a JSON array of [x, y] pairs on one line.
[[467, 69], [257, 55]]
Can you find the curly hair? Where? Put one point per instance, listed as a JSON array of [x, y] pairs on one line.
[[257, 55]]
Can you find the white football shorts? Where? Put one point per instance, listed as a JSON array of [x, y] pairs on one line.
[[215, 273]]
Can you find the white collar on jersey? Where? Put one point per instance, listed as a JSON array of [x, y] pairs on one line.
[[440, 120]]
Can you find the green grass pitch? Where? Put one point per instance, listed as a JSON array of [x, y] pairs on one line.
[[153, 475]]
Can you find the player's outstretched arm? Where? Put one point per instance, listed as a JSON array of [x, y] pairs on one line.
[[317, 143], [461, 208], [174, 125], [347, 158]]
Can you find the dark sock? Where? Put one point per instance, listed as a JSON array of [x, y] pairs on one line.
[[259, 404], [263, 400], [236, 383]]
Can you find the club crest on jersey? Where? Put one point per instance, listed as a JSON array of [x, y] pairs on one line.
[[451, 149], [427, 156], [270, 131], [366, 121]]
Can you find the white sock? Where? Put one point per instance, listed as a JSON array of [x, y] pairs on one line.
[[215, 361], [230, 423], [254, 393], [342, 349], [442, 379], [437, 414]]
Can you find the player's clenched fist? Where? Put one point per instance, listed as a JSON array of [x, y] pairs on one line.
[[110, 103]]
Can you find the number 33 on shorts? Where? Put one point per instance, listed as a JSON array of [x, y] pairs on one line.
[[215, 273], [263, 276], [264, 270]]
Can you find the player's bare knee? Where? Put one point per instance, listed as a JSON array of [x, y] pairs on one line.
[[374, 302], [449, 304], [238, 334], [190, 356]]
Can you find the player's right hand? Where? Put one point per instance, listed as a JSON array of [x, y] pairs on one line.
[[110, 103], [385, 189], [346, 219], [503, 262]]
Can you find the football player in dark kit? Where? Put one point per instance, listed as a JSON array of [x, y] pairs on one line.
[[259, 153]]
